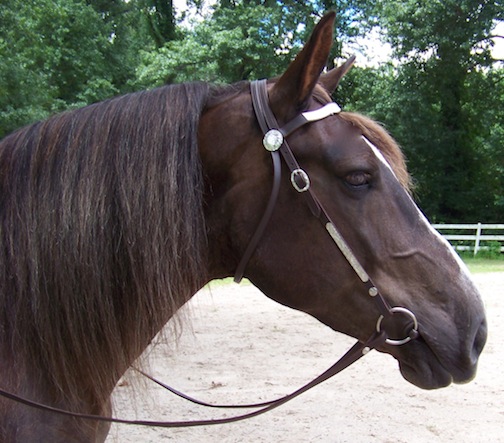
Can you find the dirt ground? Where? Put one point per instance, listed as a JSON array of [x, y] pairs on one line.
[[236, 345]]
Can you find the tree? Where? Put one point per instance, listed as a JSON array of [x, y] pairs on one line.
[[236, 44], [444, 51], [243, 39], [58, 54], [160, 17]]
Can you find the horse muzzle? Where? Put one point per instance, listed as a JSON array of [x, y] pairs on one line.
[[435, 360]]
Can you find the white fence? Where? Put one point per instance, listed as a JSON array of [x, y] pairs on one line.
[[480, 233]]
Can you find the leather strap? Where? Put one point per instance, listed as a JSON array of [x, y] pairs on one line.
[[263, 117], [357, 351], [354, 354]]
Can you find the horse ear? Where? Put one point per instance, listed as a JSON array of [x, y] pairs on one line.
[[331, 79], [291, 92]]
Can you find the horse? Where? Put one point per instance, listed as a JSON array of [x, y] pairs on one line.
[[113, 215]]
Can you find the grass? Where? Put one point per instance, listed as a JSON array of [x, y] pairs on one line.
[[479, 265], [217, 283]]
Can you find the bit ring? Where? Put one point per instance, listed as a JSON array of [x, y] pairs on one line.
[[412, 334]]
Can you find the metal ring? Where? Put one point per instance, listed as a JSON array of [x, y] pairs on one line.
[[304, 176], [395, 342]]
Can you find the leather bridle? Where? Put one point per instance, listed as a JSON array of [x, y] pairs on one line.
[[275, 142]]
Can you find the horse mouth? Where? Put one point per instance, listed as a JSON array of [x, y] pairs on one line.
[[428, 365], [428, 374]]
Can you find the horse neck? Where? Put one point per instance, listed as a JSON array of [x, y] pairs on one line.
[[225, 134]]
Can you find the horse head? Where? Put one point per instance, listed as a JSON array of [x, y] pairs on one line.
[[358, 174], [112, 216]]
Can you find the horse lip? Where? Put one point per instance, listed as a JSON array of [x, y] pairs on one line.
[[461, 365], [439, 377], [422, 364], [425, 371]]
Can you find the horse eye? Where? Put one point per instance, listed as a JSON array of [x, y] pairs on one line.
[[357, 179]]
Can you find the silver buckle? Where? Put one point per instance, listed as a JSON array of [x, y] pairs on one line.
[[299, 173]]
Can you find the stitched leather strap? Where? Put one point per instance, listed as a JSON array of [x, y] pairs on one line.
[[263, 115]]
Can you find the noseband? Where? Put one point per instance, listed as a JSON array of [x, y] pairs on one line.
[[275, 142]]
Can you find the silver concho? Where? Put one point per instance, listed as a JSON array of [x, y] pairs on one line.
[[272, 140]]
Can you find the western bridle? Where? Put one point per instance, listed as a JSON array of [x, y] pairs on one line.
[[275, 142]]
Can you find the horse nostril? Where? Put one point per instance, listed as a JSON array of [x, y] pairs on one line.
[[479, 340]]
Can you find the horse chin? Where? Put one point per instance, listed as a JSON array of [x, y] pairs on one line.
[[428, 371], [425, 375]]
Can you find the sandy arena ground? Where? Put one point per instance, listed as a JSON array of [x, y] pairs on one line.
[[236, 346]]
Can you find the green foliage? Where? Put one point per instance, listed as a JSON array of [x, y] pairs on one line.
[[235, 45], [57, 54], [491, 249], [242, 40], [441, 97], [239, 42], [437, 104], [49, 61], [451, 28]]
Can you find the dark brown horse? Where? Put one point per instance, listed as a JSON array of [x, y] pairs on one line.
[[114, 215]]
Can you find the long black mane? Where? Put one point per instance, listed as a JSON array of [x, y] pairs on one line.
[[102, 234]]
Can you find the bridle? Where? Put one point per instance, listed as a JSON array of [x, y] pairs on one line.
[[275, 142]]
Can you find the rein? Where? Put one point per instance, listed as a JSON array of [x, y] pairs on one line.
[[275, 142]]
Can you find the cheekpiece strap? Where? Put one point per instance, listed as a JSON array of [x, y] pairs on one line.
[[274, 141]]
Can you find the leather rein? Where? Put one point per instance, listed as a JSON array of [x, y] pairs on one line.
[[275, 142]]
